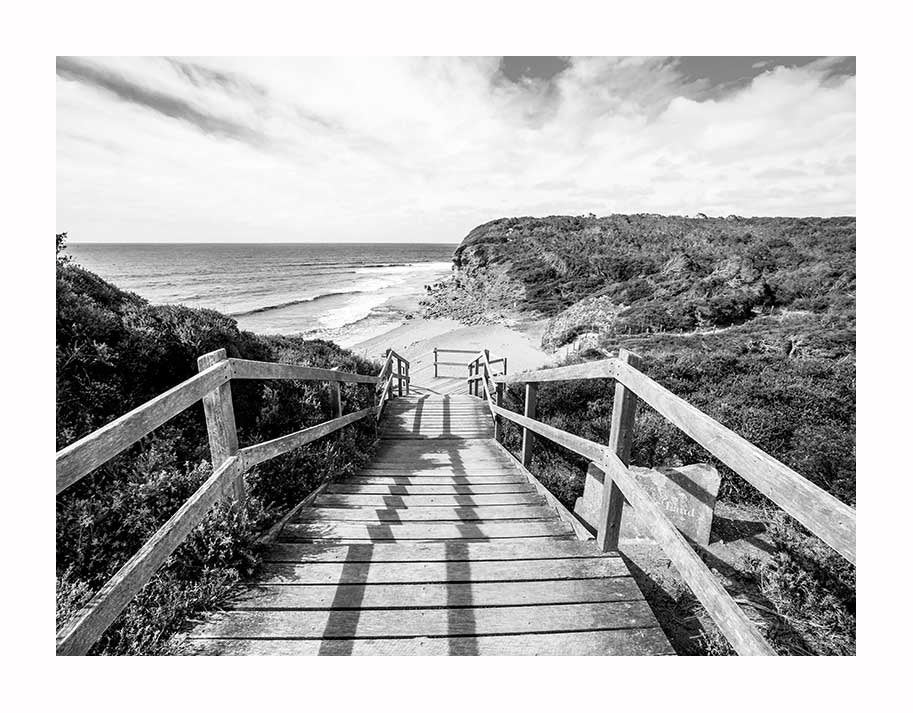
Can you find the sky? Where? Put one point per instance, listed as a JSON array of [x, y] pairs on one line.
[[425, 149]]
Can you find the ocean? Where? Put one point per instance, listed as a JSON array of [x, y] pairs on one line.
[[340, 291]]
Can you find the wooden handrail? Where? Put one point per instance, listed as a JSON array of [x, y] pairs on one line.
[[732, 621], [602, 369], [828, 518], [90, 622], [229, 465], [85, 455], [247, 369], [823, 514], [385, 396], [252, 455]]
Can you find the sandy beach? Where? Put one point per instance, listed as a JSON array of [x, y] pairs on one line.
[[416, 339]]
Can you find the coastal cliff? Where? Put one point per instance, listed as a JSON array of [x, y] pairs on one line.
[[601, 278]]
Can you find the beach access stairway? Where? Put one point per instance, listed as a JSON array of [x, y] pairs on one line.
[[445, 543]]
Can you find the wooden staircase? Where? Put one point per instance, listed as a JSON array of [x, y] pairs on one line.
[[442, 545]]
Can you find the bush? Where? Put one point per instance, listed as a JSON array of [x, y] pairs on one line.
[[116, 351]]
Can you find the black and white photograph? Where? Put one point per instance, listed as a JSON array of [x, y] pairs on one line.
[[495, 356]]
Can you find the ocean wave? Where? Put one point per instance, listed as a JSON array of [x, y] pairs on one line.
[[292, 303], [348, 263]]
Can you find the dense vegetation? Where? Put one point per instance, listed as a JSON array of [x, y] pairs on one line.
[[647, 273], [115, 351], [751, 320]]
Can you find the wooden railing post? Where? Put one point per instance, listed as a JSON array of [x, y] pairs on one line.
[[499, 400], [337, 395], [624, 409], [408, 380], [338, 389], [399, 373], [220, 421], [435, 362], [529, 410]]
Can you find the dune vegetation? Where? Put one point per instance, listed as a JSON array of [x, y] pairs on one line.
[[116, 351]]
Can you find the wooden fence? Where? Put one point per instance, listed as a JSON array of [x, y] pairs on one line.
[[825, 516], [212, 385]]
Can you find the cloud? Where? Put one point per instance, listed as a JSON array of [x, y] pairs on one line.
[[165, 104], [424, 149]]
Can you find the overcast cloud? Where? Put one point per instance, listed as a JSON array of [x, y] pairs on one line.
[[275, 150]]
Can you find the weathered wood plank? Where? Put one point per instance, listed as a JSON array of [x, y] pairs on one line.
[[426, 514], [436, 479], [249, 369], [426, 596], [429, 622], [395, 431], [423, 531], [353, 488], [621, 642], [437, 454], [401, 407], [435, 436], [409, 501], [90, 622], [602, 369], [443, 471], [496, 551], [276, 447], [831, 520], [85, 455], [443, 571]]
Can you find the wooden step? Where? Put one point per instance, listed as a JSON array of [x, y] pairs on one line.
[[440, 545], [422, 531], [430, 436], [494, 551], [427, 514], [468, 621], [442, 572], [439, 473], [400, 501], [355, 488], [618, 642], [439, 479], [426, 596]]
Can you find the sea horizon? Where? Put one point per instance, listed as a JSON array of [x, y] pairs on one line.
[[344, 292]]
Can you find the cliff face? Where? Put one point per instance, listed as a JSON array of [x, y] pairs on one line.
[[635, 274]]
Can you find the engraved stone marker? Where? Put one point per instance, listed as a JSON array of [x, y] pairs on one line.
[[687, 495]]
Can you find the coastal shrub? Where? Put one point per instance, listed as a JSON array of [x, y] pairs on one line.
[[788, 385], [671, 273], [116, 351]]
